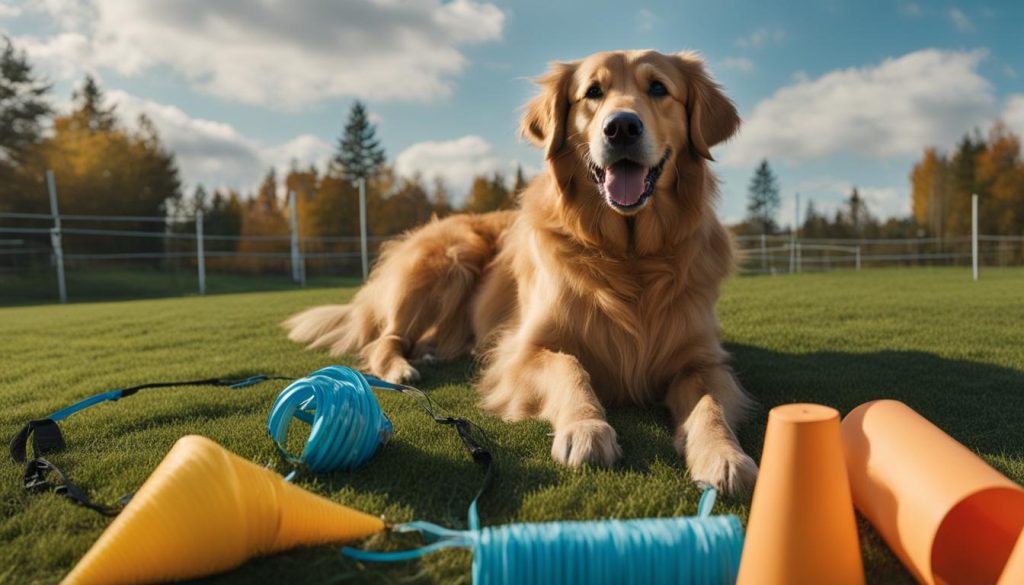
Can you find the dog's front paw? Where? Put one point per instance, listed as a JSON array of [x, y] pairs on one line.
[[400, 371], [586, 441], [728, 469]]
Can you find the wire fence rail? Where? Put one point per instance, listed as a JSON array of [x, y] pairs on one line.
[[182, 245]]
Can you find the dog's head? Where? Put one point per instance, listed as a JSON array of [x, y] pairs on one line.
[[625, 123]]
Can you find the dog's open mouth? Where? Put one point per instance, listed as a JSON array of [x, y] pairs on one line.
[[625, 184]]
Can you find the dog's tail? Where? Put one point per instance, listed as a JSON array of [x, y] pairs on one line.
[[341, 328]]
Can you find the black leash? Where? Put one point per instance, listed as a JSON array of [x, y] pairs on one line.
[[47, 438]]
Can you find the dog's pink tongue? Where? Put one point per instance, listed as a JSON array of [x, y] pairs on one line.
[[624, 182]]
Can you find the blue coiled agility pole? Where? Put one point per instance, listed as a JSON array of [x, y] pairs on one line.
[[698, 550], [347, 423]]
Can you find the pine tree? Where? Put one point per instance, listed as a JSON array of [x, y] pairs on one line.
[[440, 199], [89, 112], [763, 195], [488, 194], [857, 215], [964, 183], [360, 154], [23, 103], [199, 197], [521, 182]]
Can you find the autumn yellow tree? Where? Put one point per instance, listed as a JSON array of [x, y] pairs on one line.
[[1000, 175], [489, 194], [928, 190], [103, 168], [992, 168], [264, 243]]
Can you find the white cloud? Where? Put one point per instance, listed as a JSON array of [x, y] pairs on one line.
[[276, 53], [645, 20], [8, 11], [960, 21], [214, 153], [761, 37], [885, 202], [895, 108], [457, 161], [911, 9], [829, 194], [738, 63], [1013, 114]]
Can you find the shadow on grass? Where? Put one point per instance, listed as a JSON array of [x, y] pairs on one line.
[[977, 404]]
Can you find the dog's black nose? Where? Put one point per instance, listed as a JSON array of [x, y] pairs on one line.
[[623, 128]]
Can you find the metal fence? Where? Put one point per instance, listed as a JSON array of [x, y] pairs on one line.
[[784, 254], [54, 256]]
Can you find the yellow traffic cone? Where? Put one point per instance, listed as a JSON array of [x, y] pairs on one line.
[[205, 510], [801, 529]]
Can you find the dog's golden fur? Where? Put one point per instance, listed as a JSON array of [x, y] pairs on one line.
[[572, 304]]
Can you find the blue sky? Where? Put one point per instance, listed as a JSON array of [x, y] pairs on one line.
[[832, 93]]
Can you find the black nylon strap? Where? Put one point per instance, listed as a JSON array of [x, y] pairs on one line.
[[480, 455], [37, 472], [47, 438]]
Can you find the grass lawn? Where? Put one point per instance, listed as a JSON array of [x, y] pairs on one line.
[[92, 284], [950, 348]]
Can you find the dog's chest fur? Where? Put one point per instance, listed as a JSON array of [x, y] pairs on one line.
[[630, 321]]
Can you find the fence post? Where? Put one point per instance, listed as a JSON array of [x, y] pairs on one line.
[[55, 237], [974, 234], [296, 258], [200, 253], [858, 258], [799, 257], [764, 254], [362, 226]]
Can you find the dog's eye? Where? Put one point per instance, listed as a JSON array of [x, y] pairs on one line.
[[657, 89], [594, 93]]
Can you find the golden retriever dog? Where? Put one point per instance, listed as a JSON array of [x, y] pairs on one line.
[[598, 291]]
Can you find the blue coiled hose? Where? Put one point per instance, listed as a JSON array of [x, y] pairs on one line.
[[348, 425], [699, 550]]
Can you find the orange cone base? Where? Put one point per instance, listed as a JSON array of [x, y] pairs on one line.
[[801, 529]]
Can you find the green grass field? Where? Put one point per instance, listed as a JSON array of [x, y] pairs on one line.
[[950, 348]]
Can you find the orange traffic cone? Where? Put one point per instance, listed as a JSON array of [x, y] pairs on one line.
[[801, 529], [946, 514], [1013, 573], [205, 510]]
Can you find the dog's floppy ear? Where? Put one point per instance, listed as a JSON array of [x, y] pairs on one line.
[[544, 118], [712, 117]]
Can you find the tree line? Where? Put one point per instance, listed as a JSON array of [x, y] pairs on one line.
[[105, 165], [941, 188], [851, 219], [942, 185]]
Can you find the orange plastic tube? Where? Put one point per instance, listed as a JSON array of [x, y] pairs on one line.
[[801, 529], [1013, 573], [948, 516], [204, 510]]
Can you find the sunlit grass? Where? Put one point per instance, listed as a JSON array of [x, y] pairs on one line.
[[951, 348]]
